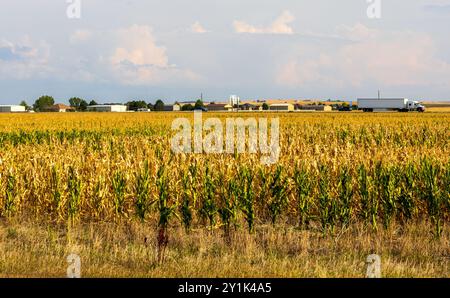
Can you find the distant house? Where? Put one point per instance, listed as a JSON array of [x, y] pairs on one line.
[[107, 108], [168, 108], [60, 107], [228, 107], [217, 107], [324, 108], [11, 109], [172, 108], [248, 107], [282, 107]]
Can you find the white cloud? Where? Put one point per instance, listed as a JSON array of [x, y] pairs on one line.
[[279, 26], [24, 59], [137, 45], [137, 59], [356, 32], [387, 58], [198, 28], [80, 36]]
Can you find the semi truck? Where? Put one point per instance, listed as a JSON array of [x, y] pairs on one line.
[[389, 104]]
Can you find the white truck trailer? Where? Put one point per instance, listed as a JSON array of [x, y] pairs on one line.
[[389, 104]]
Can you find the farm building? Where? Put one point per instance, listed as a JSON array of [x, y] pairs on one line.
[[11, 109], [107, 108], [219, 107], [282, 107], [60, 107], [324, 108], [170, 108], [143, 110], [248, 107]]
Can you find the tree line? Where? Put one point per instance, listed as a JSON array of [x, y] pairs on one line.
[[44, 102]]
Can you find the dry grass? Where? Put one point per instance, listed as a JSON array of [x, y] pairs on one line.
[[30, 249]]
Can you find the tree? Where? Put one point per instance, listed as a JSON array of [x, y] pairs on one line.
[[24, 104], [150, 106], [78, 103], [136, 105], [265, 106], [187, 107], [83, 105], [199, 104], [159, 105], [344, 106], [93, 103], [75, 102], [43, 102]]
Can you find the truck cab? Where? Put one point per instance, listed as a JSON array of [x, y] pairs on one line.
[[415, 106]]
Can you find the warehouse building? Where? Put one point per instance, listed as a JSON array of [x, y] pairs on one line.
[[323, 108], [107, 108], [219, 107], [287, 107], [11, 109]]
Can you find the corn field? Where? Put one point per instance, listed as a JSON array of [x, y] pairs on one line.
[[334, 170]]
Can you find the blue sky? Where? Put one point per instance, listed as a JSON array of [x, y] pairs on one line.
[[176, 49]]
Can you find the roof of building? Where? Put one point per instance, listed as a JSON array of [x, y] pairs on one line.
[[61, 106], [217, 105], [280, 104], [103, 106]]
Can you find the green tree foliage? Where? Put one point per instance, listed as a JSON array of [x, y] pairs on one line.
[[83, 105], [43, 102], [199, 104], [24, 104], [187, 107], [78, 103], [135, 105], [159, 105]]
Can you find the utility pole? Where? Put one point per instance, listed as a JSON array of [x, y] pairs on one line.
[[379, 96]]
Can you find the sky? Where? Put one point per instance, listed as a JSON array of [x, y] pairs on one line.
[[175, 50]]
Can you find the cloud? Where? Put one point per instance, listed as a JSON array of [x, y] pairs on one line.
[[80, 36], [137, 46], [356, 32], [23, 59], [279, 26], [136, 59], [387, 58], [198, 28], [7, 52]]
